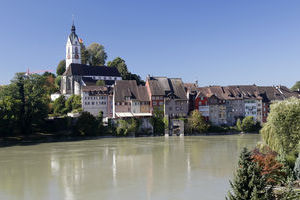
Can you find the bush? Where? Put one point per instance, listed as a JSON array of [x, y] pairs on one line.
[[86, 125], [73, 103], [248, 124], [59, 105], [239, 124]]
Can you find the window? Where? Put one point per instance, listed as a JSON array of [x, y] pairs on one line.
[[161, 103], [161, 98], [154, 103]]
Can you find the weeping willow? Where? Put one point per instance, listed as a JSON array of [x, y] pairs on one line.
[[281, 132]]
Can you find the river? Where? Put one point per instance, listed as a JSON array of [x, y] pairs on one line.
[[191, 167]]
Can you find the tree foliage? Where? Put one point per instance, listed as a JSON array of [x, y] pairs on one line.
[[97, 55], [281, 132], [86, 125], [239, 124], [61, 67], [248, 183], [24, 103], [59, 105], [120, 64], [197, 123], [100, 83], [296, 86], [73, 103]]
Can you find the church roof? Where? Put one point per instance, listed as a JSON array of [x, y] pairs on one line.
[[75, 69]]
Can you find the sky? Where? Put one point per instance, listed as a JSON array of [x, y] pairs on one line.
[[217, 42]]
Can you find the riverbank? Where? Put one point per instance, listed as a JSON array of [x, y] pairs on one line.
[[66, 136]]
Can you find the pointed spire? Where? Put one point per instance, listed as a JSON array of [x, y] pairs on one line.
[[73, 26]]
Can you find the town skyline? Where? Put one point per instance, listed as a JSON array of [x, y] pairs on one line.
[[240, 49]]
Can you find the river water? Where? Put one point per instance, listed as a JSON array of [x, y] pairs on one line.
[[197, 167]]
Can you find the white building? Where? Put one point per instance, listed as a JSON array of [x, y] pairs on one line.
[[97, 99]]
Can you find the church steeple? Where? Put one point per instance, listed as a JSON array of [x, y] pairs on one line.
[[73, 48]]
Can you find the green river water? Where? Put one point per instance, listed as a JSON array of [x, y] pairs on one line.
[[190, 167]]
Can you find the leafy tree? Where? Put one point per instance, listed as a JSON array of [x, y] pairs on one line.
[[97, 54], [120, 64], [248, 124], [85, 56], [57, 82], [239, 124], [270, 167], [197, 123], [248, 183], [281, 131], [59, 105], [8, 114], [296, 86], [61, 68], [73, 103], [86, 125], [100, 83]]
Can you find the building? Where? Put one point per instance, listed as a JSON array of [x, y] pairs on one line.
[[96, 99], [167, 96], [130, 100], [78, 75]]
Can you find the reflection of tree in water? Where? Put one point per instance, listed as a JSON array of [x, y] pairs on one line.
[[131, 168]]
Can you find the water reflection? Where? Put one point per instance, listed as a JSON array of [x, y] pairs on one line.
[[127, 168]]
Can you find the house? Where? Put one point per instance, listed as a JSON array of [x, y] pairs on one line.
[[130, 100], [167, 95], [78, 75], [96, 99]]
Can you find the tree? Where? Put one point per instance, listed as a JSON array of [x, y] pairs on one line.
[[239, 125], [248, 183], [73, 103], [61, 68], [59, 105], [120, 64], [29, 99], [296, 86], [248, 124], [100, 83], [281, 131], [297, 167], [97, 54], [86, 125], [58, 82], [85, 56], [197, 123]]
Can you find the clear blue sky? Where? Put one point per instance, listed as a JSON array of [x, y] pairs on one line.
[[215, 42]]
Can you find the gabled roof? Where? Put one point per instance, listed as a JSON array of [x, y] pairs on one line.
[[88, 70], [129, 88], [89, 81], [163, 86]]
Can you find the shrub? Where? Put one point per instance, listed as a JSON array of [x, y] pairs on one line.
[[59, 105], [86, 125], [239, 124], [197, 123], [248, 124]]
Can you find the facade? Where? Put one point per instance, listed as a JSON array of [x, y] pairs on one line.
[[96, 99], [226, 104], [78, 75], [130, 100], [167, 96]]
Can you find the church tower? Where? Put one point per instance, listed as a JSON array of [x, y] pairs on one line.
[[73, 48]]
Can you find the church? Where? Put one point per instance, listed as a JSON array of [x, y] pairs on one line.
[[78, 75]]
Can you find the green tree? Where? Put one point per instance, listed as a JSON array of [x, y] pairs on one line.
[[297, 168], [248, 124], [248, 183], [239, 124], [97, 54], [296, 86], [197, 123], [73, 103], [61, 68], [58, 82], [59, 105], [120, 64], [281, 132], [86, 125], [85, 56], [100, 83]]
